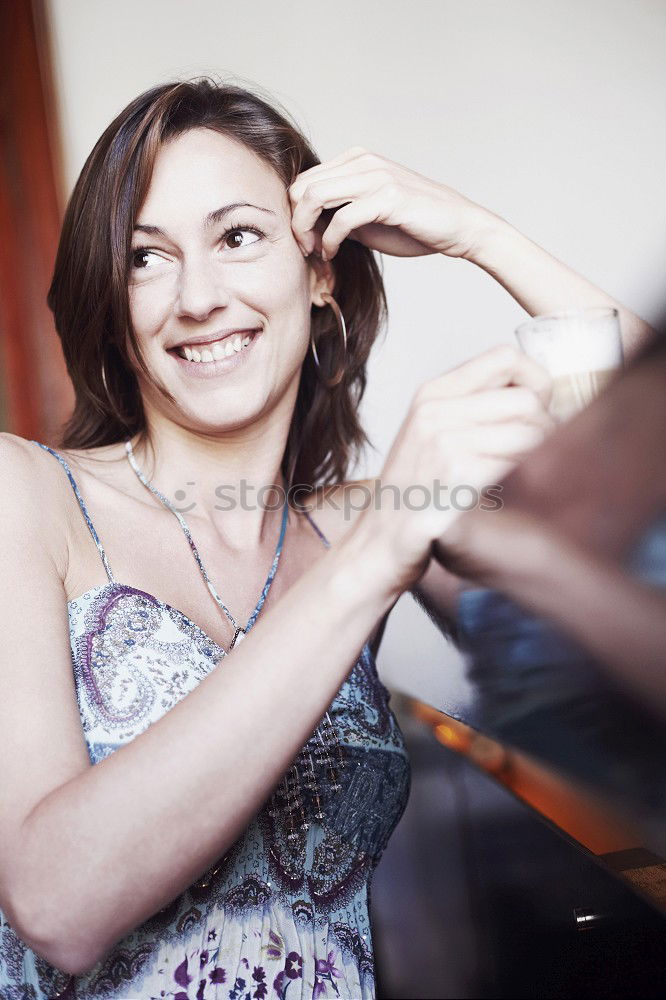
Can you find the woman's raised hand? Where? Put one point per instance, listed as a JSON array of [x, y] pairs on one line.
[[385, 206], [468, 427]]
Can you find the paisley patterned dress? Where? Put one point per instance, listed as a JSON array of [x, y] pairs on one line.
[[279, 917]]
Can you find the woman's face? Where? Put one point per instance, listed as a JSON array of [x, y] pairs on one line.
[[214, 268]]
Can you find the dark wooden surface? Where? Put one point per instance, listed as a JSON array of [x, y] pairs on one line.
[[475, 898]]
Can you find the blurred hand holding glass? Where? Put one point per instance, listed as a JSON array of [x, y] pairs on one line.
[[580, 348]]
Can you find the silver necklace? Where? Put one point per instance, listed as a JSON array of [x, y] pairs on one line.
[[239, 631]]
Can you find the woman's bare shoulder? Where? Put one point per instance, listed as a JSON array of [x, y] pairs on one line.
[[13, 445], [29, 463], [20, 460], [34, 492]]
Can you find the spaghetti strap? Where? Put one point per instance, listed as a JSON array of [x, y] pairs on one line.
[[319, 532], [84, 509]]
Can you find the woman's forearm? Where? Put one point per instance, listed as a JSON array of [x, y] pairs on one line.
[[117, 843], [542, 284]]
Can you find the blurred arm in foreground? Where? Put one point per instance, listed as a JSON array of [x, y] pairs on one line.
[[563, 612], [581, 537]]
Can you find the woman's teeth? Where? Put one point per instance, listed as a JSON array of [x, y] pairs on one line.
[[217, 351]]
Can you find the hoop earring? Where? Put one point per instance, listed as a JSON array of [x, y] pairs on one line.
[[106, 388], [332, 380], [109, 400]]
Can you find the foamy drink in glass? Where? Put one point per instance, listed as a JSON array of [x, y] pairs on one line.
[[581, 349]]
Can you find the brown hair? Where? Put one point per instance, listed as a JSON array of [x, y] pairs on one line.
[[89, 293]]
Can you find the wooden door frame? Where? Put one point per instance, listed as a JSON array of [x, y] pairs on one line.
[[37, 389]]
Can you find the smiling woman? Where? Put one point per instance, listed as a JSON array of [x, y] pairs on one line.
[[189, 142], [186, 310]]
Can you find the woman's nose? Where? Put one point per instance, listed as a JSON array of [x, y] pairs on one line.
[[201, 289]]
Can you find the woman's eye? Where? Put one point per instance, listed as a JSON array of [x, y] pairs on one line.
[[235, 239], [142, 259]]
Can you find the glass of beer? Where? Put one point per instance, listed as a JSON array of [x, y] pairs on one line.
[[580, 348]]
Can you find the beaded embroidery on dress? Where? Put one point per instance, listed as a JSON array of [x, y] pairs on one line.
[[284, 914]]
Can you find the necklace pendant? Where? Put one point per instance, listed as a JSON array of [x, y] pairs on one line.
[[238, 638]]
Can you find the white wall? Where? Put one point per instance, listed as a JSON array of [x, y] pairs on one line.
[[551, 112]]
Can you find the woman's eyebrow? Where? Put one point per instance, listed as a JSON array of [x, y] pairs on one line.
[[219, 213], [211, 219]]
